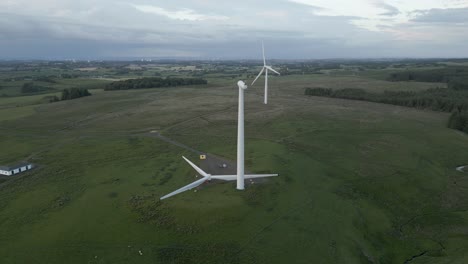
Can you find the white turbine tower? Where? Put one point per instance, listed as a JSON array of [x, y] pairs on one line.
[[240, 176], [265, 68]]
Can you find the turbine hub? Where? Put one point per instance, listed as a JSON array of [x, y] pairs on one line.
[[242, 85]]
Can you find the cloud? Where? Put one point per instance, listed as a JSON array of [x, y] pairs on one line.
[[366, 14], [294, 29], [356, 8], [389, 9], [452, 15], [183, 14], [376, 14]]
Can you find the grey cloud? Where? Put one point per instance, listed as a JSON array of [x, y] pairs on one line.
[[107, 29], [389, 9], [452, 15], [312, 8], [237, 43]]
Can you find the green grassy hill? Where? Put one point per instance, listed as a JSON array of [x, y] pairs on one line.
[[359, 182]]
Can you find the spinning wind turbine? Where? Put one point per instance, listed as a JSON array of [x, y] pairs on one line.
[[265, 68]]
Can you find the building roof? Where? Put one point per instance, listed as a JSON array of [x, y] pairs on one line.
[[17, 166]]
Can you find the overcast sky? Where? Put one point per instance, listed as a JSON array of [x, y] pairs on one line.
[[202, 29]]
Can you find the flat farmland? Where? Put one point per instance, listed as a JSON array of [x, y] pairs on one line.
[[359, 182]]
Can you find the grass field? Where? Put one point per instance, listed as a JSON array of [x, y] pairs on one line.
[[359, 182], [13, 88]]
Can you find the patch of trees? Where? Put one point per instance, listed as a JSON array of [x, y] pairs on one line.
[[67, 94], [73, 93], [459, 121], [30, 88], [458, 83], [455, 77], [153, 82], [420, 76], [440, 99]]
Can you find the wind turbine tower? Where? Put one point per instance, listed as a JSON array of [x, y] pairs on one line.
[[240, 137]]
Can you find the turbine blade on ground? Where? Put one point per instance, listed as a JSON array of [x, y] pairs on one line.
[[185, 188], [224, 177], [247, 176], [258, 76], [271, 69], [253, 176], [202, 173]]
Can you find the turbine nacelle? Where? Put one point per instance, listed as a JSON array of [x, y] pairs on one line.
[[242, 85]]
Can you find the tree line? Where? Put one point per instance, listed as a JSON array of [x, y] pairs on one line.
[[459, 121], [456, 77], [73, 93], [153, 82], [67, 94], [438, 99]]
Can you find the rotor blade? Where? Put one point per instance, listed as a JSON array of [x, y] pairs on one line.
[[271, 69], [247, 176], [185, 188], [263, 51], [202, 173], [224, 177], [253, 176], [258, 76]]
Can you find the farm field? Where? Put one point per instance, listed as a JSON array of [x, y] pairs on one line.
[[359, 182]]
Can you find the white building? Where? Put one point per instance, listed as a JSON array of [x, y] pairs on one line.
[[12, 170]]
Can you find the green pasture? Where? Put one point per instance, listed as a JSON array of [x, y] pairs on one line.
[[359, 182], [13, 88]]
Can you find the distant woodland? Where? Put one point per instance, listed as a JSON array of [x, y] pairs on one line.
[[153, 82], [440, 99], [454, 99], [459, 121], [73, 93], [455, 77]]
